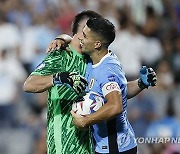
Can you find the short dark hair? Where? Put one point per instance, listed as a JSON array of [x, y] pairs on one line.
[[79, 17], [104, 28]]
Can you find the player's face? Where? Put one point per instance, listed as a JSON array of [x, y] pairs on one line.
[[81, 25], [87, 40]]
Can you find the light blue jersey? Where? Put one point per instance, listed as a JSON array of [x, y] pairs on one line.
[[116, 134]]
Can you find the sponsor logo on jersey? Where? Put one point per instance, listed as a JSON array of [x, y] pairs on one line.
[[40, 66], [109, 87], [112, 86], [124, 140], [111, 78], [91, 83]]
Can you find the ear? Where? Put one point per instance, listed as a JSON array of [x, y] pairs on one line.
[[97, 44]]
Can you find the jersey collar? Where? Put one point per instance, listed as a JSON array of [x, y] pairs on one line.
[[107, 55], [75, 52]]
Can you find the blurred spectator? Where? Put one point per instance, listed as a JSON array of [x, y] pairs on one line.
[[151, 30], [141, 112], [171, 149], [35, 39], [34, 121], [82, 5], [10, 37], [129, 46], [107, 9], [19, 15], [165, 75], [164, 88], [66, 16], [152, 23], [178, 16], [40, 146], [153, 51], [12, 74], [176, 96], [16, 141], [176, 57], [168, 50], [165, 127], [137, 8]]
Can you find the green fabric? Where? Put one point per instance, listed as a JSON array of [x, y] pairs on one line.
[[62, 136]]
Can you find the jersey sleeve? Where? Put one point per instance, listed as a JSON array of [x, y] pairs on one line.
[[52, 64], [111, 80]]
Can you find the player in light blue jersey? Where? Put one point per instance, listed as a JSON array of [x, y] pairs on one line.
[[105, 77], [111, 130]]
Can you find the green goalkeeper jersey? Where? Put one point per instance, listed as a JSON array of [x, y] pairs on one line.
[[62, 136]]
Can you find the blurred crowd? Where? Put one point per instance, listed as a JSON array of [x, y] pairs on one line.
[[148, 33]]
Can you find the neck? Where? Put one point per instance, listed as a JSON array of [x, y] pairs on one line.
[[96, 56]]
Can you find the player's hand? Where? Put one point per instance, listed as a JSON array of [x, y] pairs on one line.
[[73, 79], [55, 45], [60, 42], [78, 120], [147, 78]]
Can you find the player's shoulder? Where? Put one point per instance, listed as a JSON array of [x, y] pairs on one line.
[[112, 59], [111, 67], [56, 55], [111, 63]]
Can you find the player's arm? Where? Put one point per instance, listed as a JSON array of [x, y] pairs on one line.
[[38, 83], [112, 108], [147, 78], [61, 41], [133, 89]]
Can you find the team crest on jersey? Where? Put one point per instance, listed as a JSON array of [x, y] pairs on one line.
[[40, 66], [91, 83]]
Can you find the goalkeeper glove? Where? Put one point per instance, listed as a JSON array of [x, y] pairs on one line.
[[77, 82], [147, 78]]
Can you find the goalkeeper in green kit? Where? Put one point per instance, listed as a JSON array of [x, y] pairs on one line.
[[63, 88]]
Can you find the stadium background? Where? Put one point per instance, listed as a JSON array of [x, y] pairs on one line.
[[148, 32]]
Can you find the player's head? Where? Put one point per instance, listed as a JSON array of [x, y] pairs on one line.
[[81, 19], [98, 34]]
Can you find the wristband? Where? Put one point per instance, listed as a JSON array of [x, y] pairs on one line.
[[64, 45], [59, 38]]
